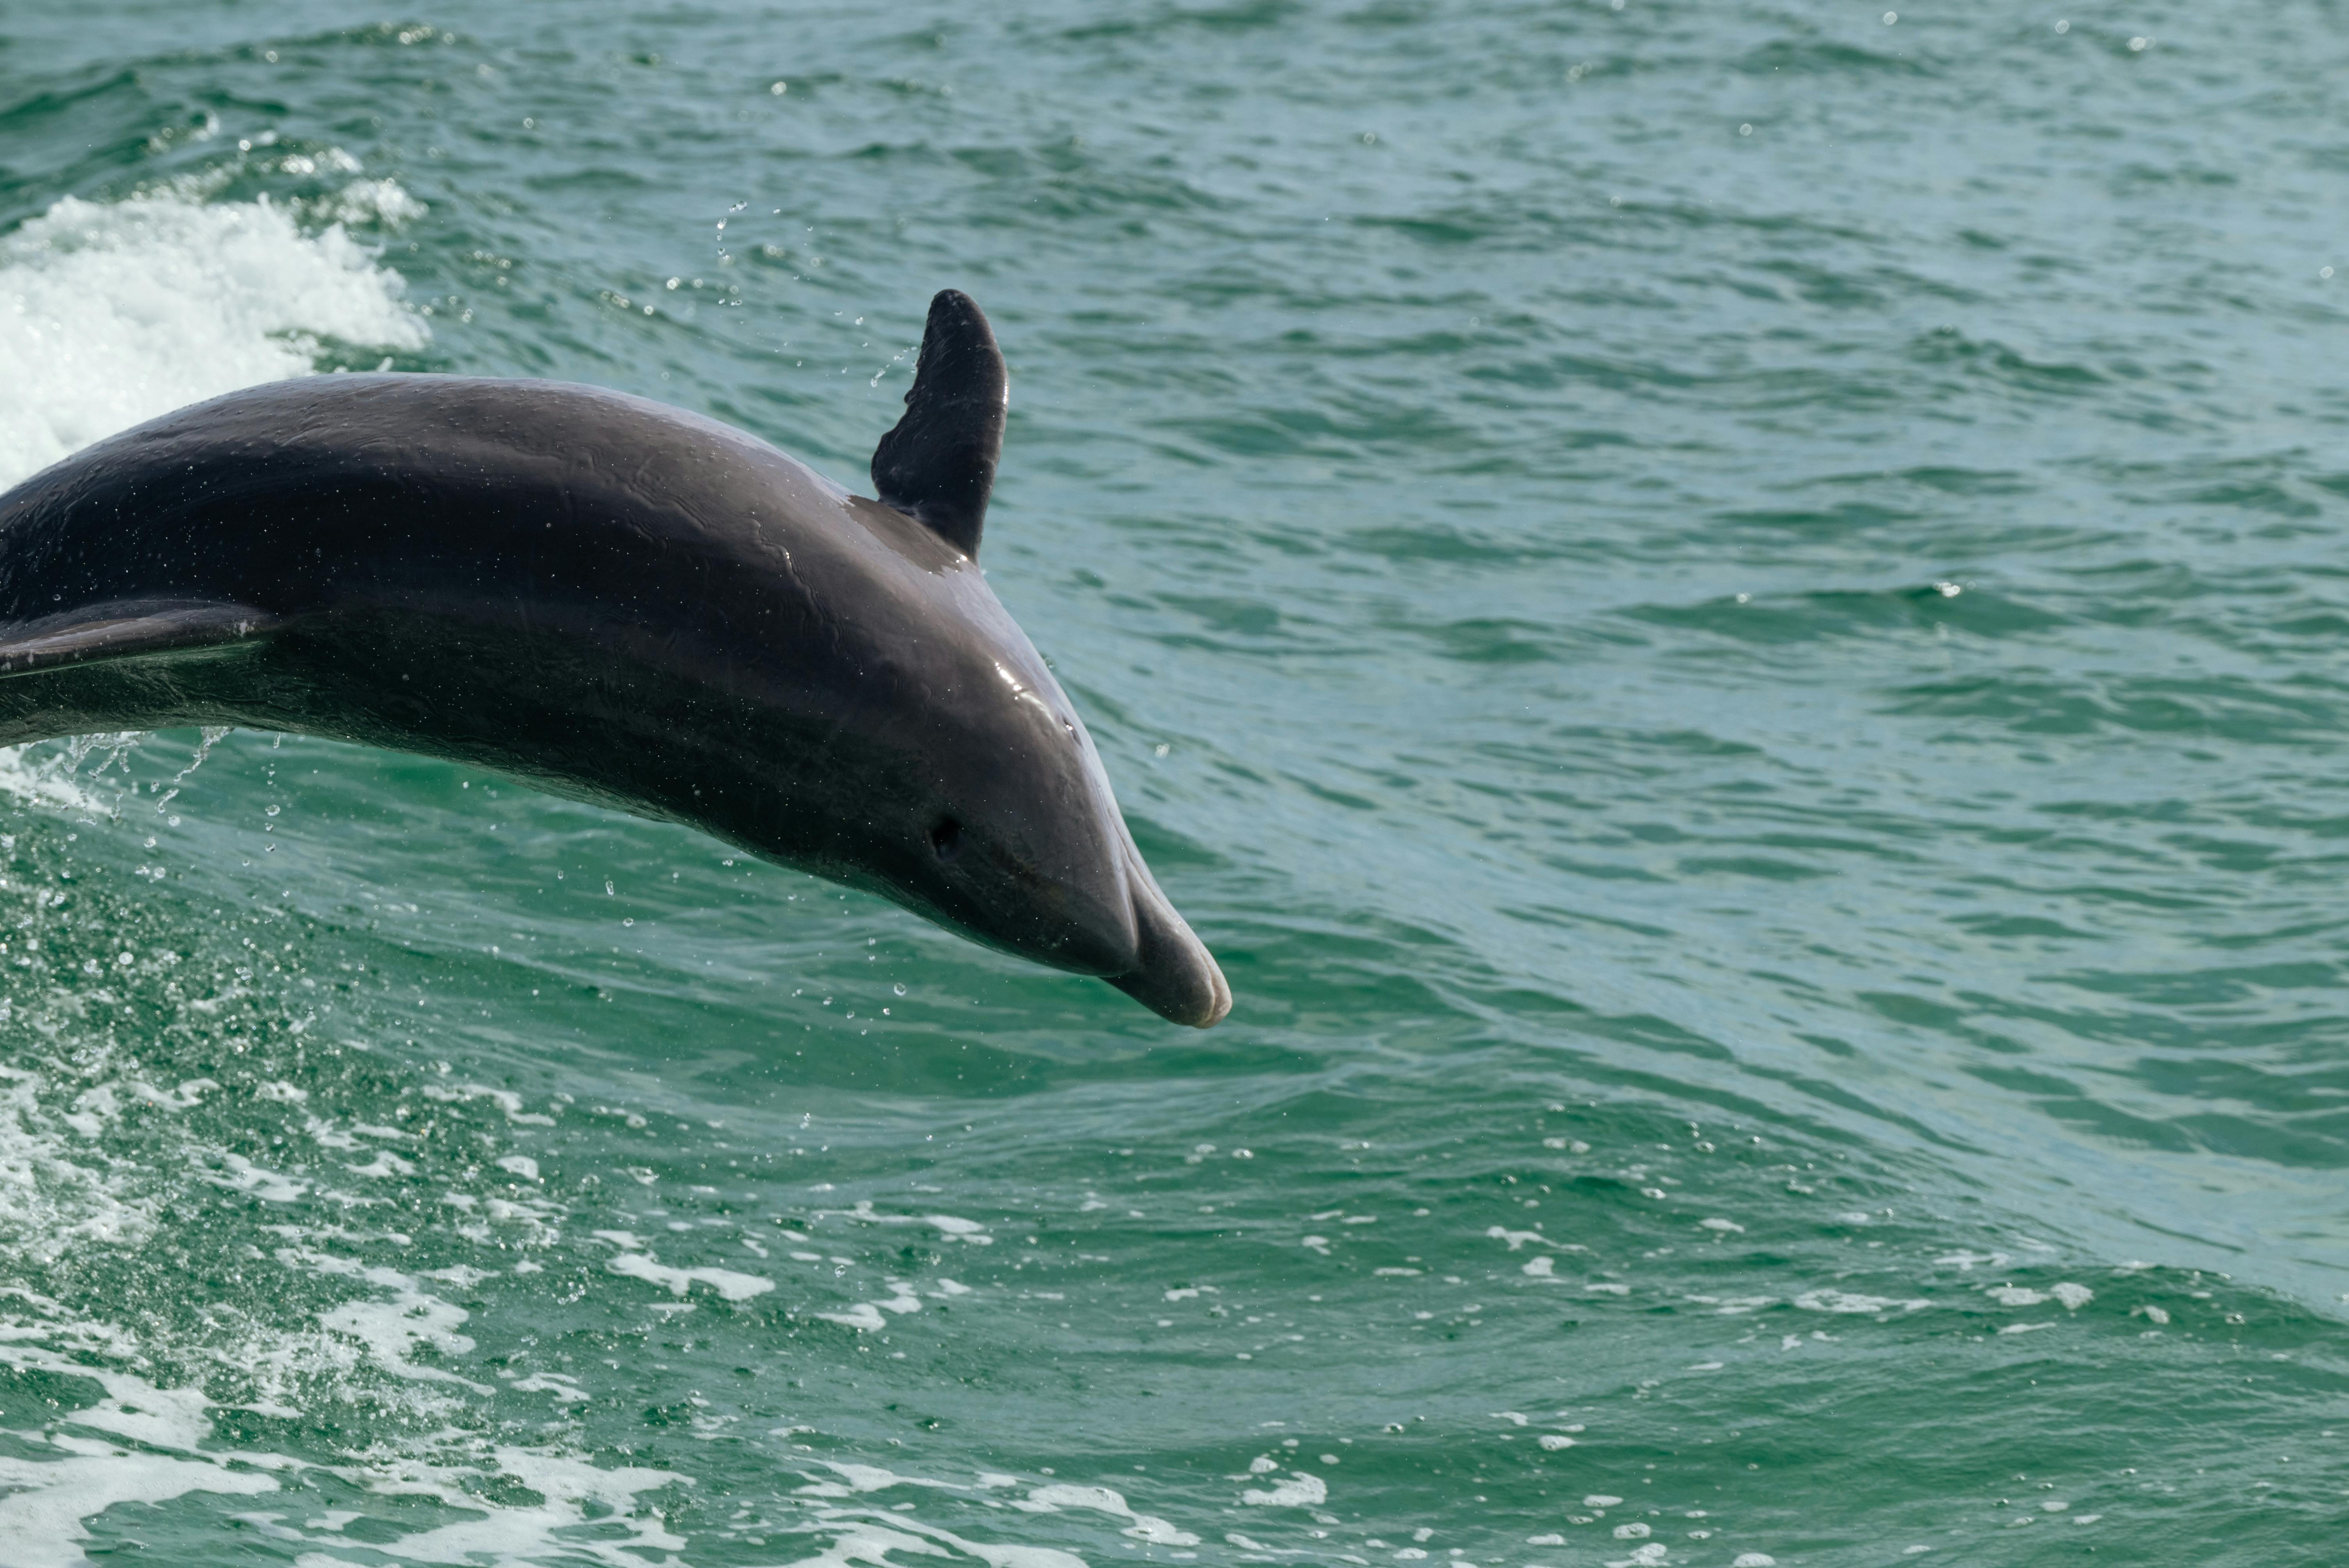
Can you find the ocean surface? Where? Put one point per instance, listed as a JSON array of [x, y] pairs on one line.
[[1734, 617]]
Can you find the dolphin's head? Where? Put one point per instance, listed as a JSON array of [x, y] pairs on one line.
[[1000, 822], [957, 778]]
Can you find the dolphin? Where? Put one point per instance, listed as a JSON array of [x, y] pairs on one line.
[[614, 600]]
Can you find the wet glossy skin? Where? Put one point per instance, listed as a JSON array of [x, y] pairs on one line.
[[612, 599]]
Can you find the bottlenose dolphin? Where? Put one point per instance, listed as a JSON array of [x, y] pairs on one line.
[[614, 600]]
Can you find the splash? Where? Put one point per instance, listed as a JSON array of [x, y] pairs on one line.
[[114, 313]]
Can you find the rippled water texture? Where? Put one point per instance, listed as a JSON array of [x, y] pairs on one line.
[[1730, 616]]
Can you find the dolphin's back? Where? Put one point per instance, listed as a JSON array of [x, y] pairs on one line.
[[310, 495], [530, 574]]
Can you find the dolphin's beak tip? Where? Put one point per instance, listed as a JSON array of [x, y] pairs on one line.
[[1185, 987], [1177, 978], [1221, 1006]]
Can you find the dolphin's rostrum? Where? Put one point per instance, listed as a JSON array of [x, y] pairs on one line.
[[611, 599]]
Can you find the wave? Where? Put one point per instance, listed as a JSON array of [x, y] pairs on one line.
[[111, 314]]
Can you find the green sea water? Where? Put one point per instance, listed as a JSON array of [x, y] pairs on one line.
[[1730, 616]]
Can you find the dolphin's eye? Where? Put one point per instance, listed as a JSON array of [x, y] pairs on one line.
[[947, 838]]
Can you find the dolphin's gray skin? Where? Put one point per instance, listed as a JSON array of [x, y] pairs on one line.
[[614, 600]]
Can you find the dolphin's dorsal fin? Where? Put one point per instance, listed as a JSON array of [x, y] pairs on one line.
[[126, 629], [938, 464]]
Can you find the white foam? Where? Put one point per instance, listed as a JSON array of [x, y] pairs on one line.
[[42, 1523], [1102, 1500], [112, 314], [1845, 1301], [519, 1533], [1647, 1556], [950, 1227], [868, 1540], [1296, 1489], [239, 1174], [380, 202], [49, 1201], [2072, 1295], [93, 1109], [392, 1330], [729, 1286], [40, 774], [855, 1479], [186, 1096], [505, 1099], [865, 1316], [870, 1537], [41, 1519]]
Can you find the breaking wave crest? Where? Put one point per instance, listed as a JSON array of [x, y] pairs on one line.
[[111, 314]]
